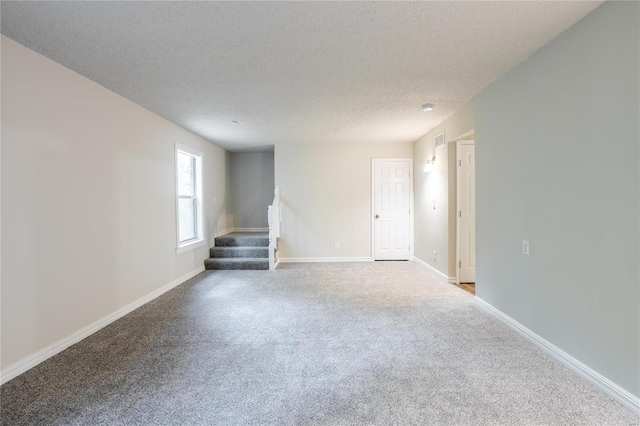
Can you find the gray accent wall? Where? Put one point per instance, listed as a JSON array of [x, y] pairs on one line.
[[252, 184], [557, 151]]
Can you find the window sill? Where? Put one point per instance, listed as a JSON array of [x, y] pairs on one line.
[[189, 246]]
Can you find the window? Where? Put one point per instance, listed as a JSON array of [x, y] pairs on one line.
[[188, 198]]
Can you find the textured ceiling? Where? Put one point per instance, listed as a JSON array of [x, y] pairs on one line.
[[292, 71]]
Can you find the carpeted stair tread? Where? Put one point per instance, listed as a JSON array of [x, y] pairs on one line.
[[240, 251], [243, 240], [234, 252], [239, 263]]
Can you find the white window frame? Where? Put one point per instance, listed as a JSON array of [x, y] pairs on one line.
[[199, 240]]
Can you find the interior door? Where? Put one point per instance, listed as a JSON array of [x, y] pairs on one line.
[[466, 178], [391, 209]]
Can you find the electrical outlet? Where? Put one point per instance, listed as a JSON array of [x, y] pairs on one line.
[[525, 247], [336, 246]]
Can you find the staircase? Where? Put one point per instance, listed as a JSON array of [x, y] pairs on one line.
[[240, 250]]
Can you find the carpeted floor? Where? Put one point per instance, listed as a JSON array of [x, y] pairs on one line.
[[381, 343]]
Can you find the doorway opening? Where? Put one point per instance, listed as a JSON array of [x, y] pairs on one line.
[[462, 196], [466, 209]]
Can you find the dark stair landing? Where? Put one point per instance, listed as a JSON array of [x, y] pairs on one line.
[[240, 250]]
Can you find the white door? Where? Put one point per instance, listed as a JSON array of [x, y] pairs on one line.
[[391, 209], [466, 212]]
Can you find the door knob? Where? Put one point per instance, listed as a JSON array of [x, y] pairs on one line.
[[377, 216]]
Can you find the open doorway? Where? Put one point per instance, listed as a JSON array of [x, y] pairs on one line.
[[466, 207], [462, 194]]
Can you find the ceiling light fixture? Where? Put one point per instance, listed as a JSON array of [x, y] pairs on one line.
[[427, 107]]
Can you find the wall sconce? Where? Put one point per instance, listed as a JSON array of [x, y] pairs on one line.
[[439, 141], [430, 164]]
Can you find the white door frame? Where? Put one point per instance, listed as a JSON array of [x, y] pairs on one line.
[[458, 143], [373, 201], [452, 174]]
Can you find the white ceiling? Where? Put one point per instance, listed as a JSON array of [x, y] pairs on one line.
[[292, 71]]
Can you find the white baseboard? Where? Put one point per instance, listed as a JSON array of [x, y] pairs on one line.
[[36, 358], [616, 392], [434, 271], [324, 259], [230, 230], [250, 230], [223, 232]]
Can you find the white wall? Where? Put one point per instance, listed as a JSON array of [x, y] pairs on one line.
[[557, 160], [252, 177], [435, 228], [326, 197], [88, 208]]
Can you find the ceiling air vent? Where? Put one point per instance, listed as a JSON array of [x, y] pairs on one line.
[[440, 139]]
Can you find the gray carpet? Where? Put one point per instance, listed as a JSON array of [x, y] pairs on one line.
[[380, 343], [240, 250]]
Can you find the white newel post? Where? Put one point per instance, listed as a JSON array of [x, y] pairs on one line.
[[273, 217]]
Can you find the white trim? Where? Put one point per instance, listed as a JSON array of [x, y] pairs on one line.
[[199, 191], [411, 208], [454, 174], [249, 229], [607, 386], [466, 135], [189, 246], [36, 358], [459, 144], [188, 150], [230, 230], [223, 232], [434, 271], [323, 259]]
